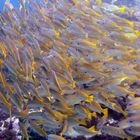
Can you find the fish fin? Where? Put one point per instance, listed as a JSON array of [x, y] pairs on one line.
[[131, 24], [90, 98], [88, 2], [137, 32], [99, 2], [24, 131], [94, 114], [83, 122], [105, 111], [92, 128], [90, 116], [123, 9], [129, 138], [65, 127], [38, 129], [3, 50], [124, 113]]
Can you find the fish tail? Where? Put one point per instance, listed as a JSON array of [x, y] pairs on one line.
[[94, 114], [137, 33], [129, 138], [92, 128], [123, 9], [105, 112], [88, 2]]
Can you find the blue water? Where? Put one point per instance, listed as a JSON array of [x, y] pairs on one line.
[[15, 3], [1, 4], [130, 3]]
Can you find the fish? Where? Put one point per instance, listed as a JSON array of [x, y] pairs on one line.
[[116, 81], [98, 1], [115, 131], [122, 21], [134, 131], [62, 108], [133, 102], [85, 131], [17, 101], [75, 29], [65, 126], [57, 95], [120, 91], [55, 137], [82, 112], [74, 98], [113, 8], [23, 127], [118, 109], [102, 122], [43, 92], [6, 103], [94, 106], [3, 50], [130, 121], [115, 53], [108, 103], [37, 129], [133, 109], [74, 121], [2, 79]]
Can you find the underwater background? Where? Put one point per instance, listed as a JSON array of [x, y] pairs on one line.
[[70, 69], [131, 3], [15, 3]]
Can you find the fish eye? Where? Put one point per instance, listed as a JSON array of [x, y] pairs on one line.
[[74, 128], [131, 121], [127, 110], [74, 93], [134, 61], [130, 129], [111, 36], [76, 65]]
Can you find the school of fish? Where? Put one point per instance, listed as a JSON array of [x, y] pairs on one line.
[[65, 63]]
